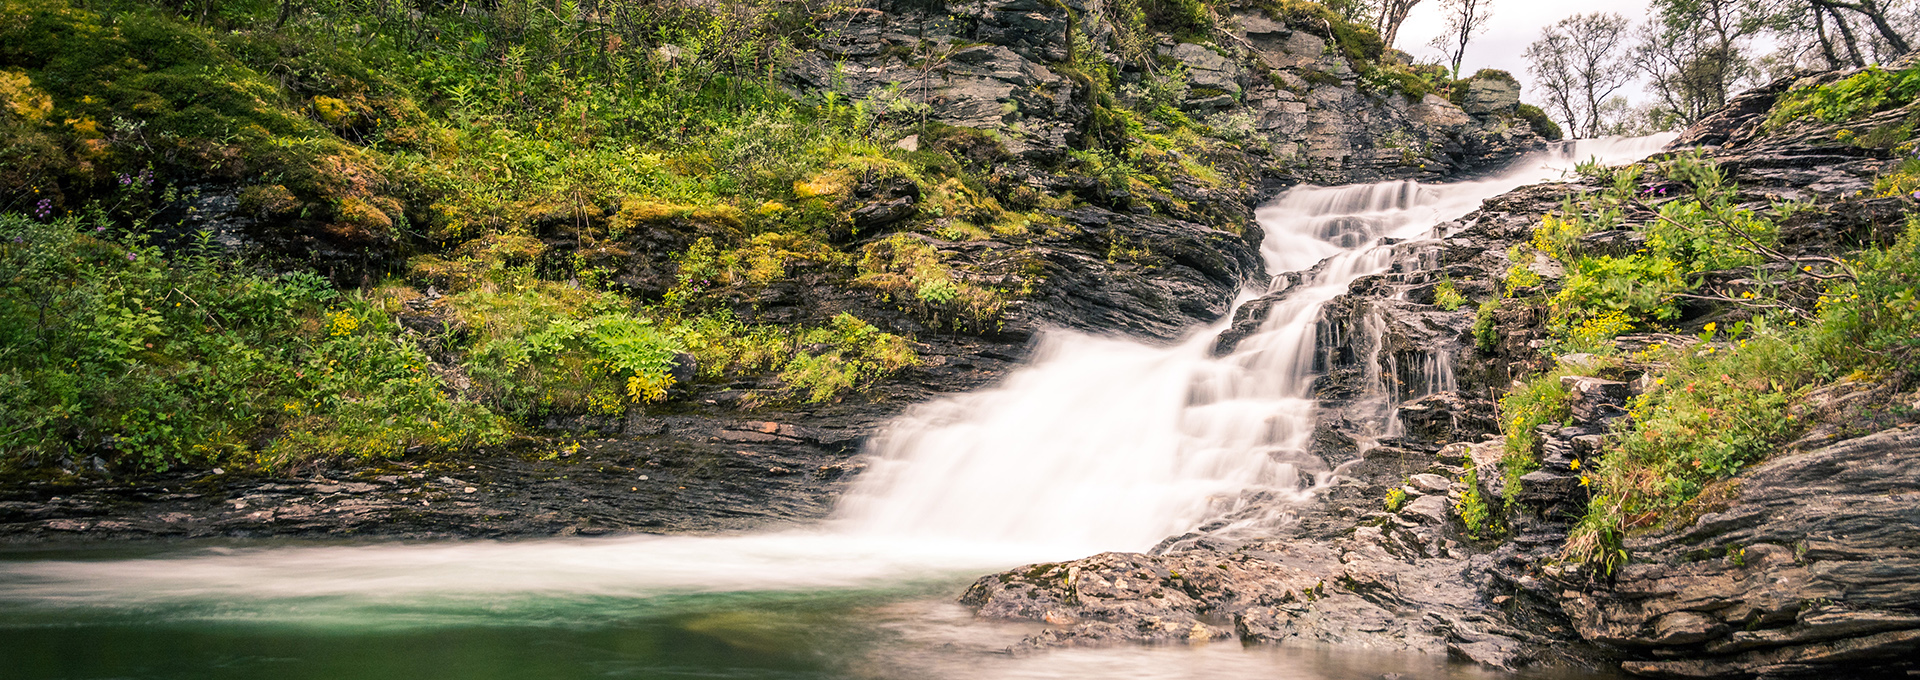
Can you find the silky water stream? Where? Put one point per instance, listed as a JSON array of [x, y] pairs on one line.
[[1099, 444]]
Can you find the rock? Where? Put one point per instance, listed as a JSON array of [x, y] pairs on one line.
[[1843, 600], [1431, 483], [1430, 509], [1490, 93], [1205, 68], [1593, 400]]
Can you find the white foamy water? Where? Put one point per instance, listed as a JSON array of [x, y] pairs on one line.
[[1113, 445], [1099, 444]]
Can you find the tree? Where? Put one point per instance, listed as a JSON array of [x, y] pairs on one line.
[[1580, 64], [1874, 13], [1392, 14], [1694, 52], [1834, 34], [1465, 19]]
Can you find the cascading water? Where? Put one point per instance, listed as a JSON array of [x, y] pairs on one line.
[[1100, 444], [1109, 444]]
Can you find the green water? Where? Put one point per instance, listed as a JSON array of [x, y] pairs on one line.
[[780, 607]]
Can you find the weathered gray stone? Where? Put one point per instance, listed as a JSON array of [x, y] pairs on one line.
[[1489, 95]]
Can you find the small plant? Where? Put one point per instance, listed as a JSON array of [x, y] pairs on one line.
[[1486, 326], [1476, 513], [1447, 297], [1396, 499]]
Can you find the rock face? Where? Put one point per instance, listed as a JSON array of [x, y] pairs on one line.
[[1301, 103], [1810, 569]]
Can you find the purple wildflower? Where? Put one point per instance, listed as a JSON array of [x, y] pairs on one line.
[[44, 208], [131, 257]]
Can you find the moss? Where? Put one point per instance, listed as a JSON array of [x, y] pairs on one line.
[[1539, 122], [916, 276]]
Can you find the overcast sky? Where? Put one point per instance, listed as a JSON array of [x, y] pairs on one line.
[[1515, 24]]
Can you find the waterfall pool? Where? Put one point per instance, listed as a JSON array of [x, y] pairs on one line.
[[765, 608]]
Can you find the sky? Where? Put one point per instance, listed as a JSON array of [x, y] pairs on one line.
[[1515, 24]]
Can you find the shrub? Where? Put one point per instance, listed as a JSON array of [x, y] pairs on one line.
[[1477, 514], [1874, 321], [111, 347], [1485, 326], [916, 275], [1714, 412]]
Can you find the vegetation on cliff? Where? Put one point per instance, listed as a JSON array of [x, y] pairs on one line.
[[499, 216], [1753, 326]]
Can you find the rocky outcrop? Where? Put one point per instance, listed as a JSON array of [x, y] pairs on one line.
[[1810, 568], [1376, 588], [1298, 100]]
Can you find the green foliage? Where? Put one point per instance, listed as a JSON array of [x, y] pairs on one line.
[[1538, 401], [856, 354], [1485, 326], [1638, 286], [1477, 514], [917, 276], [1396, 499], [1520, 274], [1714, 412], [1183, 18], [1874, 320], [1725, 403], [110, 347], [1447, 297], [1870, 91], [1541, 123], [1704, 229]]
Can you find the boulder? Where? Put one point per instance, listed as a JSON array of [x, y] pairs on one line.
[[1490, 94], [1809, 571]]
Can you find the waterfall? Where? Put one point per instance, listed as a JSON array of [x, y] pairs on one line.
[[1108, 444], [1099, 444]]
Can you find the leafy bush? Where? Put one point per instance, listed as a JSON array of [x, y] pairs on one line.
[[855, 354], [1396, 499], [1477, 514], [1874, 320], [1714, 412], [1538, 401], [917, 276], [110, 347]]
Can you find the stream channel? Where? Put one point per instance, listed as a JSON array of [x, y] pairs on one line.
[[1117, 445]]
